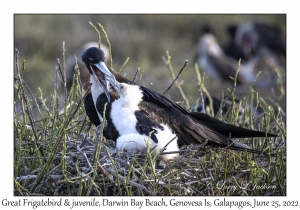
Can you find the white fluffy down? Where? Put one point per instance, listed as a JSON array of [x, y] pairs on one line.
[[136, 142], [122, 111]]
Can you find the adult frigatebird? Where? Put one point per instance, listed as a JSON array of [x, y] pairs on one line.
[[70, 62], [135, 112]]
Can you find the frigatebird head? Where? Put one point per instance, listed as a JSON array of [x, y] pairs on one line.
[[94, 60]]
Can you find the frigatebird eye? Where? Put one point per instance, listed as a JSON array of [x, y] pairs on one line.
[[91, 60]]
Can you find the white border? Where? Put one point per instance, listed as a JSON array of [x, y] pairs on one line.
[[174, 7]]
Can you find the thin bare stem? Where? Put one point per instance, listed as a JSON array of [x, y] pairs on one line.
[[136, 73], [98, 32], [123, 65], [109, 45], [33, 97], [168, 64], [64, 72], [185, 63]]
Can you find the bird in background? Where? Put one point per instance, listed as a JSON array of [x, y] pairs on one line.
[[266, 44], [259, 38], [219, 66], [232, 48], [136, 114]]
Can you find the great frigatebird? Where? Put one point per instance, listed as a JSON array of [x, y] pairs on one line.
[[135, 112]]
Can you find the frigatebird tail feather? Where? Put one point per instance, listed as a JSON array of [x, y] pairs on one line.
[[227, 129]]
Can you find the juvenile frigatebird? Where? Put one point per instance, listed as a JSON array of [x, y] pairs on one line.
[[135, 112]]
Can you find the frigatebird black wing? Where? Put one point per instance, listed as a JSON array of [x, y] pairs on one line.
[[146, 125], [91, 110], [188, 130], [194, 128], [150, 95], [160, 99], [110, 131], [164, 110], [227, 129]]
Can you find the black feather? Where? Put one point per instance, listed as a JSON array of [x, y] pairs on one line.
[[110, 131], [145, 125], [227, 129], [91, 110]]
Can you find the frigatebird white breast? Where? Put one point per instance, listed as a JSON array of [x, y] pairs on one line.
[[137, 112]]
